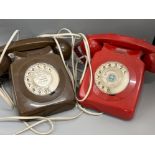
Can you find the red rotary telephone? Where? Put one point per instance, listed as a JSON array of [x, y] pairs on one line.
[[118, 64]]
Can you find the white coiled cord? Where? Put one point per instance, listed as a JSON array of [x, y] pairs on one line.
[[72, 75]]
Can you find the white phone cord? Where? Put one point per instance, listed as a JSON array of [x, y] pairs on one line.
[[88, 59], [73, 77]]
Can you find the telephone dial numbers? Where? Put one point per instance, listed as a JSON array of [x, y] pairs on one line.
[[41, 79], [112, 77]]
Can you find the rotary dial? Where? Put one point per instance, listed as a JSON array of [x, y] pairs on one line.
[[41, 79], [112, 77]]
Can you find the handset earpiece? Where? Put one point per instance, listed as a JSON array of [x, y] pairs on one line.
[[93, 44], [65, 47], [149, 60]]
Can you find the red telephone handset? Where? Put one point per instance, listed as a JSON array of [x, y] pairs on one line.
[[118, 64]]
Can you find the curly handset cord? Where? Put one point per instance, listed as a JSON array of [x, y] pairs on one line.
[[72, 75]]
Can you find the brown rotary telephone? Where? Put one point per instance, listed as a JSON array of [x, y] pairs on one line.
[[41, 85]]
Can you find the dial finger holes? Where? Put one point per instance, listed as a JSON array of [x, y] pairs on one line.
[[112, 77], [41, 79]]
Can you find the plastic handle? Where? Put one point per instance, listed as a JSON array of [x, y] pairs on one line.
[[29, 44], [123, 41]]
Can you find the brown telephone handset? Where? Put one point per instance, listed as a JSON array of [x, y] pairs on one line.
[[41, 85]]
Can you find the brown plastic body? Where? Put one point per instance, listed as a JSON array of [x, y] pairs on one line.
[[29, 104], [26, 45]]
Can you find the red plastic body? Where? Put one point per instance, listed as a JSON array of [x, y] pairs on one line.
[[127, 51]]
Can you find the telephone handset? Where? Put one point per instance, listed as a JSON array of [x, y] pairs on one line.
[[118, 64], [41, 85], [26, 45]]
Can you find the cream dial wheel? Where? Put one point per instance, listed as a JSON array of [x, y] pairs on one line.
[[41, 79], [112, 77]]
